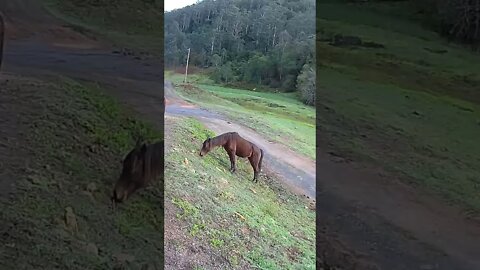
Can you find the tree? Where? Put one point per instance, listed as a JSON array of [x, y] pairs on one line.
[[256, 41], [460, 20], [306, 84]]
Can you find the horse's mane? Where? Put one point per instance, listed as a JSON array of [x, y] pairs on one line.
[[144, 161], [141, 165], [153, 160], [220, 139]]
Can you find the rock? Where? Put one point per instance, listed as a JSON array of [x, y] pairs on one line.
[[34, 179], [71, 220], [91, 187], [91, 248], [58, 221], [416, 113]]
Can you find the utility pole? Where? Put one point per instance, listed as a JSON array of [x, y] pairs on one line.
[[186, 67]]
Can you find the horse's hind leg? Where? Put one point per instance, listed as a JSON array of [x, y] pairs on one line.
[[252, 160], [231, 155]]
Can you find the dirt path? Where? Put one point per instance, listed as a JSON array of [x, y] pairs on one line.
[[389, 223], [297, 171]]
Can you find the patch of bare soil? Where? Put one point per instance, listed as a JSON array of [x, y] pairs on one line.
[[184, 252]]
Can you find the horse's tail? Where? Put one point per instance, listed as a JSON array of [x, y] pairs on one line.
[[260, 162]]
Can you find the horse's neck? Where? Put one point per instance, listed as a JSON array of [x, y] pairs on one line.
[[218, 141]]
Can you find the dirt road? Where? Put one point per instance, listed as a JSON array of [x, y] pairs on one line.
[[297, 171], [384, 221]]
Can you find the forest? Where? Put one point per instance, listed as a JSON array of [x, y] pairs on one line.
[[269, 43]]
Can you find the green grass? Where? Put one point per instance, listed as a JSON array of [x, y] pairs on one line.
[[134, 24], [412, 111], [274, 221], [76, 138], [278, 116]]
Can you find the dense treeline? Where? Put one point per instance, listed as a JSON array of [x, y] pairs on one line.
[[266, 42], [458, 20]]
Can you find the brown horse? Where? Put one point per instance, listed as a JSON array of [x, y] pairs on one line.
[[141, 165], [236, 146]]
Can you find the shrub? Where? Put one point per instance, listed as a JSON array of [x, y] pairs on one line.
[[306, 84]]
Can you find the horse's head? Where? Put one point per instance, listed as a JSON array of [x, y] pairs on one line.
[[132, 176], [206, 147]]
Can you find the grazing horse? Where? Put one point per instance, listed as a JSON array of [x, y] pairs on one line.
[[141, 165], [236, 146]]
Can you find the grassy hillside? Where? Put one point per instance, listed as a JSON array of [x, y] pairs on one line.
[[68, 141], [279, 116], [411, 107], [135, 24], [258, 225]]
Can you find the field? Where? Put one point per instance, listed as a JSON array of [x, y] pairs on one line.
[[247, 225], [278, 116], [139, 32], [63, 146], [411, 107]]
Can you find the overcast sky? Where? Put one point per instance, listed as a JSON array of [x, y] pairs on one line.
[[170, 5]]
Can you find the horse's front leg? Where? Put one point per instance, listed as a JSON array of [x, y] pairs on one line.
[[232, 156], [255, 177]]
